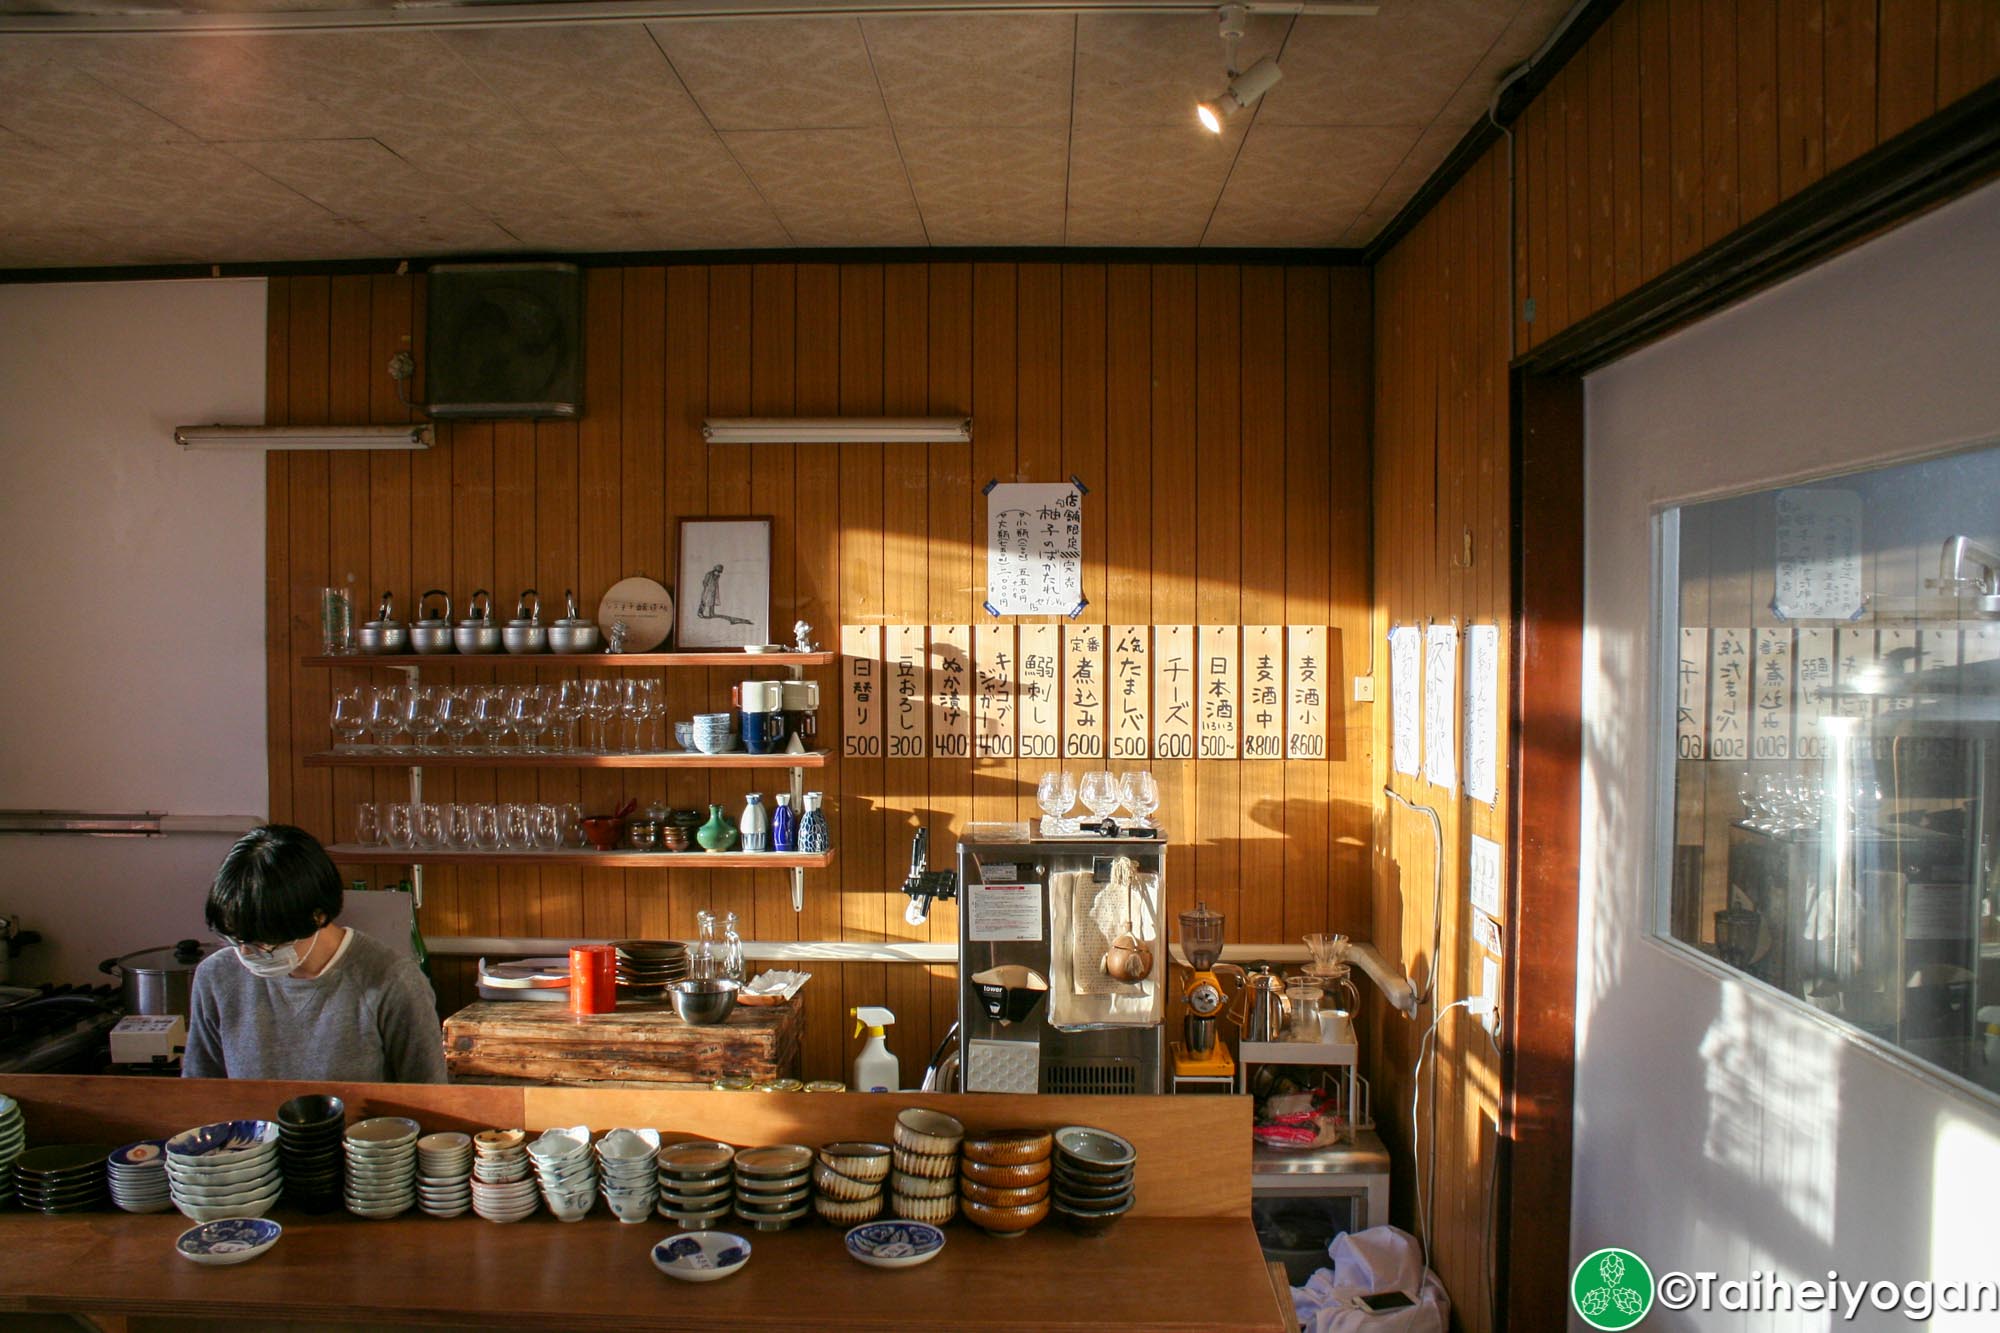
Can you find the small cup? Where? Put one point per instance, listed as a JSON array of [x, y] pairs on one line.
[[763, 732], [593, 979], [760, 696]]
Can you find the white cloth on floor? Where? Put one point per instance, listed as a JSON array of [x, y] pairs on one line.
[[1367, 1263], [1075, 999]]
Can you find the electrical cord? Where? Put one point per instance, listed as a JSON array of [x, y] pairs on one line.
[[1437, 893], [1426, 1196]]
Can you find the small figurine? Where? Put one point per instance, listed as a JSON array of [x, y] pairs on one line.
[[619, 631], [802, 636]]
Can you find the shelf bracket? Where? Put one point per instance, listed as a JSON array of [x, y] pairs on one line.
[[798, 889]]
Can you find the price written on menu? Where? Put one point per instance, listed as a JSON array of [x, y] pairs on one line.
[[1034, 555], [1084, 692]]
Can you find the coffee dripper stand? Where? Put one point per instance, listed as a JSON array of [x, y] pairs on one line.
[[1200, 1058]]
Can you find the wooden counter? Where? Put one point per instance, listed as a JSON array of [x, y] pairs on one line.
[[1186, 1257], [635, 1045]]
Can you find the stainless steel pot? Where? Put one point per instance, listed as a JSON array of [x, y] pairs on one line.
[[477, 633], [524, 633], [1265, 1012], [428, 633], [573, 634], [158, 981]]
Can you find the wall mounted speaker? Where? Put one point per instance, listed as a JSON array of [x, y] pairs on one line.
[[504, 340]]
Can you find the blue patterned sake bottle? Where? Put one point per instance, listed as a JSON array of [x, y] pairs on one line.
[[813, 835], [784, 825]]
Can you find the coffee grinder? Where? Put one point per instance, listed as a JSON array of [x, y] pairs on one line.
[[1199, 1055]]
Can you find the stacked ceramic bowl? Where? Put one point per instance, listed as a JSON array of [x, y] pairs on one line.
[[309, 1132], [139, 1177], [382, 1166], [228, 1169], [628, 1174], [848, 1180], [1005, 1184], [13, 1138], [61, 1178], [565, 1170], [444, 1173], [503, 1188], [774, 1185], [924, 1184], [647, 967], [696, 1181], [1094, 1177]]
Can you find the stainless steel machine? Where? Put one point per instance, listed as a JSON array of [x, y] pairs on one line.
[[1038, 1010]]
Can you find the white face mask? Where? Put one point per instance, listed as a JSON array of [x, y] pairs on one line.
[[281, 961]]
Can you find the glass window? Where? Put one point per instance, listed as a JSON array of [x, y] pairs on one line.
[[1834, 722]]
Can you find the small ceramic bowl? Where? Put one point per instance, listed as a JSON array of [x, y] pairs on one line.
[[857, 1161], [937, 1212], [1007, 1177], [629, 1145], [781, 1160], [384, 1131], [833, 1185], [895, 1244], [922, 1130], [695, 1157], [491, 1141], [1089, 1222], [1005, 1221], [228, 1242], [925, 1164], [1094, 1149], [310, 1112], [1092, 1187], [845, 1213], [993, 1197], [922, 1187], [701, 1256], [226, 1141], [1008, 1147]]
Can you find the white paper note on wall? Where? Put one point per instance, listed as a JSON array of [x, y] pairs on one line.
[[1818, 555], [1482, 713], [1483, 883], [1406, 655], [1034, 549], [1441, 706]]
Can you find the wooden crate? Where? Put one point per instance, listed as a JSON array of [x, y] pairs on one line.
[[634, 1046]]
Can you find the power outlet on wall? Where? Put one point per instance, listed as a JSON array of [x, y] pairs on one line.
[[1489, 990]]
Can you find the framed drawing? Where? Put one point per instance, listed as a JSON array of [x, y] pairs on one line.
[[725, 583]]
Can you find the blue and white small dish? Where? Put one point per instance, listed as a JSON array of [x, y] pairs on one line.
[[225, 1141], [701, 1256], [895, 1244], [228, 1242], [146, 1153]]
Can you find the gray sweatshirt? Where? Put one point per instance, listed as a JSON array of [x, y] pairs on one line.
[[370, 1017]]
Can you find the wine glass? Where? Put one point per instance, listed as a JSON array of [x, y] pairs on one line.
[[454, 714], [349, 718], [1141, 793], [569, 711], [1101, 794], [385, 714], [652, 707], [600, 700], [420, 716], [489, 711], [631, 715], [1056, 794], [528, 714]]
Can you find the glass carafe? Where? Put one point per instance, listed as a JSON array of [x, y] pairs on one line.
[[704, 959], [1302, 1004]]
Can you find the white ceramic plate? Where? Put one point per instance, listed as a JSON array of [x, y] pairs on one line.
[[895, 1244], [701, 1256], [227, 1242]]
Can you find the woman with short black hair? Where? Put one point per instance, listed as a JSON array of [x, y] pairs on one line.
[[296, 996]]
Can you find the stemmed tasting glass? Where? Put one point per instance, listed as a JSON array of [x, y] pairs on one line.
[[385, 714], [454, 713], [1056, 794], [1101, 793], [349, 718], [420, 716], [653, 707], [631, 715], [528, 712], [600, 700], [569, 711], [489, 710], [1141, 793]]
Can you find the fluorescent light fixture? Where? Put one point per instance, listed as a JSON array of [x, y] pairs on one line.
[[304, 437], [837, 430], [1243, 91]]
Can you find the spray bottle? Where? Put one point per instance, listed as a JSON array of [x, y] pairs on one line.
[[875, 1069]]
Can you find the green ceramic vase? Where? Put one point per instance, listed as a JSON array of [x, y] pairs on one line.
[[718, 834]]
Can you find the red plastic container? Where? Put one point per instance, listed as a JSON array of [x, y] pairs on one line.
[[593, 979]]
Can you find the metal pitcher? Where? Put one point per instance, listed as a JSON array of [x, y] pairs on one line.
[[1264, 1013]]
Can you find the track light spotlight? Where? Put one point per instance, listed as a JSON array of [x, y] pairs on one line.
[[1244, 89]]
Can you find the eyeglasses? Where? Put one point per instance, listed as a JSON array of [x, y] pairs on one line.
[[251, 950]]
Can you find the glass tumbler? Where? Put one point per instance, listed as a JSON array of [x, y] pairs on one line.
[[515, 831], [402, 825], [458, 826], [430, 826], [545, 824], [368, 824], [486, 827]]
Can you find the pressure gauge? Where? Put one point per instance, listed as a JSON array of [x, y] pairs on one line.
[[1204, 999]]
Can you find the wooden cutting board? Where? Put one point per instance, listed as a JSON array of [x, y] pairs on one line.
[[645, 1047]]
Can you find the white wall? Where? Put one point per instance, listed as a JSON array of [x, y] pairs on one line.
[[1718, 1126], [131, 602]]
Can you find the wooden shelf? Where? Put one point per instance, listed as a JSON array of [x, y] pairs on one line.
[[355, 854], [515, 759], [619, 660]]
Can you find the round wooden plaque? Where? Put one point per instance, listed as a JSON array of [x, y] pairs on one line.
[[647, 609]]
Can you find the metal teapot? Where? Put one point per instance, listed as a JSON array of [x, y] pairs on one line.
[[1262, 1013], [477, 633], [431, 633], [385, 633]]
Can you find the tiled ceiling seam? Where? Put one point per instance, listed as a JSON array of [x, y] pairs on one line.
[[1069, 133], [916, 200], [1242, 139], [702, 111]]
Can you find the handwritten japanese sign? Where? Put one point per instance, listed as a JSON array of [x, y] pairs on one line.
[[1307, 702], [1812, 665], [993, 707], [1131, 691], [906, 709], [861, 691], [1263, 691], [1174, 683], [1771, 695], [1034, 549], [1482, 713], [1041, 692], [1819, 555], [1406, 657], [1896, 652], [1691, 694], [1441, 706], [1729, 694], [1854, 668], [951, 691], [1217, 710], [1083, 691]]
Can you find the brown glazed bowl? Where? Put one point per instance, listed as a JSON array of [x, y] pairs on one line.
[[603, 831], [1007, 1177], [1004, 1221], [994, 1197], [1008, 1147]]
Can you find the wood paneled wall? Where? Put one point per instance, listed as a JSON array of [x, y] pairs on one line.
[[1218, 413], [1678, 122]]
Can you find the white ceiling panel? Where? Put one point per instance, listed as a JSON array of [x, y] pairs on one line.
[[992, 71], [1151, 69], [988, 186], [776, 74], [610, 76], [1158, 183], [1269, 201], [1397, 68], [832, 187]]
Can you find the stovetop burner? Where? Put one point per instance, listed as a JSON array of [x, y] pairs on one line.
[[57, 1028]]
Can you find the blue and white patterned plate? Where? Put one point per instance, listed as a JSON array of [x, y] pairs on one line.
[[144, 1153], [221, 1140], [230, 1241], [701, 1256], [895, 1244]]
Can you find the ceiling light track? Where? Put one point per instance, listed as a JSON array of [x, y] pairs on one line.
[[504, 14]]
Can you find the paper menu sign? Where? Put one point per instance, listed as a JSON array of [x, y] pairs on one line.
[[1691, 695], [1034, 549], [1040, 719], [1771, 694], [1441, 706], [1083, 687], [1406, 656], [1307, 702], [1217, 705], [861, 691], [1174, 683], [951, 691], [1482, 713], [994, 666], [1729, 693], [1818, 555], [1812, 666], [1263, 692], [906, 709], [1130, 685], [1003, 912]]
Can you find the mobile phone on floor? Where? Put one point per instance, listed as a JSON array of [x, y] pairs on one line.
[[1385, 1300]]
